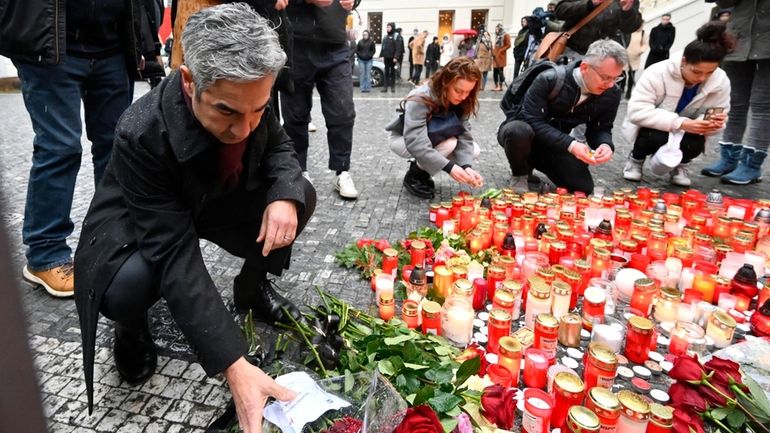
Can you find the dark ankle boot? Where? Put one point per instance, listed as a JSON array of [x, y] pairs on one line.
[[261, 298], [418, 182], [134, 352]]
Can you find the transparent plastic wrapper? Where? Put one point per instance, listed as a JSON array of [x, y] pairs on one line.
[[754, 358], [373, 401]]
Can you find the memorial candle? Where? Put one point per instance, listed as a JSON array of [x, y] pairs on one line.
[[561, 294], [546, 334], [442, 281], [538, 406], [535, 368], [499, 326], [721, 328], [390, 261], [457, 320], [634, 413], [601, 366], [387, 306], [417, 251], [538, 301], [706, 285], [509, 356], [643, 296], [568, 391], [682, 336], [638, 339], [606, 406], [431, 318], [667, 304], [409, 314]]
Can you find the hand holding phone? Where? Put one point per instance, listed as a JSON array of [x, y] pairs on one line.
[[712, 111]]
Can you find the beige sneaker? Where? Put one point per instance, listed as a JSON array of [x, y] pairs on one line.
[[59, 282]]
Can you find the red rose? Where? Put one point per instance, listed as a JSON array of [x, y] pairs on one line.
[[498, 406], [364, 242], [686, 421], [382, 244], [724, 371], [683, 396], [713, 397], [420, 419], [687, 368]]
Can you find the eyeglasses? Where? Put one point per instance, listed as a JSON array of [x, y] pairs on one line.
[[606, 78]]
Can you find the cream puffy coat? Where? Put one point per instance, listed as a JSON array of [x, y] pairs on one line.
[[656, 95]]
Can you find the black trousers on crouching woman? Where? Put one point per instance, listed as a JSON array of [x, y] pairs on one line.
[[648, 141], [525, 152], [232, 222]]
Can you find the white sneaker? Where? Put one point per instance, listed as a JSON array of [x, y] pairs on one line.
[[306, 175], [680, 176], [311, 127], [345, 186], [633, 169], [520, 184]]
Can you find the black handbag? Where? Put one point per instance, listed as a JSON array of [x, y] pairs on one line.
[[443, 126]]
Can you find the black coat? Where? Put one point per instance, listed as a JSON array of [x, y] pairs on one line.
[[392, 46], [609, 24], [162, 175], [750, 23], [662, 37], [365, 49], [432, 54], [553, 120]]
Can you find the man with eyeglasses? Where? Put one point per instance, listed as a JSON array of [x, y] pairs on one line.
[[535, 133]]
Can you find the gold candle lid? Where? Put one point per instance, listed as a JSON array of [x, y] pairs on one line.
[[466, 209], [644, 283], [496, 269], [604, 399], [441, 271], [629, 244], [418, 245], [602, 253], [435, 206], [633, 405], [499, 316], [509, 346], [546, 274], [670, 294], [463, 287], [386, 299], [641, 323], [506, 260], [390, 252], [513, 286], [604, 356], [569, 382], [661, 414], [559, 245], [540, 289], [409, 308], [561, 288], [582, 264], [546, 320], [580, 420], [570, 319], [723, 320], [504, 297], [431, 308]]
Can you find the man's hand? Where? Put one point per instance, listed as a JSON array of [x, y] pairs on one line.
[[626, 5], [279, 225], [467, 176], [281, 4], [603, 153], [321, 3], [251, 387], [347, 4], [582, 152]]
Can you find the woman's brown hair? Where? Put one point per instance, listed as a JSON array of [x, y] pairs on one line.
[[458, 68]]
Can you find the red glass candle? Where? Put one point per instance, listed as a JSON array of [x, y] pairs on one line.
[[546, 334], [594, 301], [495, 278], [538, 406], [509, 356], [601, 366], [638, 339], [556, 251], [568, 391], [639, 261], [442, 214], [466, 218], [661, 419], [504, 299], [387, 306], [479, 293], [643, 296], [409, 314], [600, 262], [500, 375], [431, 318], [583, 267], [418, 251], [535, 368], [606, 406], [499, 326], [390, 261]]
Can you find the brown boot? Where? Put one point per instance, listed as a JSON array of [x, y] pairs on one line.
[[59, 282]]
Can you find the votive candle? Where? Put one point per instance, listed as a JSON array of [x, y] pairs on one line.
[[535, 368]]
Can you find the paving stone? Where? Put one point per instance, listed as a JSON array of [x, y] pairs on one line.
[[155, 384], [135, 402], [174, 368], [86, 420], [194, 372], [156, 406], [112, 421], [69, 411], [74, 389], [66, 348], [114, 398], [135, 424], [197, 392], [157, 425], [203, 416], [178, 411], [52, 403], [60, 428], [55, 384], [83, 430], [176, 388]]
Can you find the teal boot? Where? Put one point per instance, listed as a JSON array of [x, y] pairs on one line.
[[749, 168], [728, 160]]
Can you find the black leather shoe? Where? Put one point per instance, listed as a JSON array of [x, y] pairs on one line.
[[135, 353], [417, 182], [384, 90], [264, 301]]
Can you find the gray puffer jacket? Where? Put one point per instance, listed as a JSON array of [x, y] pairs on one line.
[[750, 23]]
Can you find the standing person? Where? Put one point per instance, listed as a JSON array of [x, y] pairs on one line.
[[432, 56], [451, 93], [321, 59], [748, 69], [390, 51], [74, 54], [365, 51], [199, 157], [621, 17], [661, 39], [637, 45], [448, 51], [417, 47], [536, 131], [400, 61], [675, 94], [500, 56], [520, 46], [414, 34], [484, 56]]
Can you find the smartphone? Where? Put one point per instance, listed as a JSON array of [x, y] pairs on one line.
[[711, 111]]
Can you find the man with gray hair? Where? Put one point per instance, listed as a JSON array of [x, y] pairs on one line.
[[201, 156], [536, 131]]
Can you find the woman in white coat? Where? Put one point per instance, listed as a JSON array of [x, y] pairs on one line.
[[447, 51], [691, 94]]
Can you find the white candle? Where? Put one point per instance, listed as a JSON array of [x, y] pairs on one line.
[[534, 307], [475, 270], [734, 211], [561, 300], [666, 311], [674, 268], [727, 301], [448, 228], [608, 334], [685, 280], [685, 313], [383, 283], [624, 281], [457, 324]]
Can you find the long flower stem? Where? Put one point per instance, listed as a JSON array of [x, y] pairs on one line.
[[719, 423], [737, 404], [309, 344]]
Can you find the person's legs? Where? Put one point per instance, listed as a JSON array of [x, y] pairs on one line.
[[335, 89], [563, 169], [516, 68], [296, 106], [366, 75], [484, 76], [631, 83], [417, 73], [52, 98], [390, 74], [516, 138], [648, 141], [106, 94]]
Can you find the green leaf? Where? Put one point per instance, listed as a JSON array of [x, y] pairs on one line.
[[441, 374], [401, 339], [736, 418], [456, 411], [449, 424], [423, 395], [758, 394], [444, 401], [410, 399], [411, 366], [443, 350], [410, 352], [467, 369], [349, 381], [386, 367], [720, 413]]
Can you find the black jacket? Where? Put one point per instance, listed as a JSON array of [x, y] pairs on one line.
[[432, 54], [316, 24], [662, 37], [553, 120], [365, 49], [158, 181], [392, 45], [608, 24], [750, 23], [35, 31]]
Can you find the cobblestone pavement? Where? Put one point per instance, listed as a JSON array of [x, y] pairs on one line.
[[180, 398]]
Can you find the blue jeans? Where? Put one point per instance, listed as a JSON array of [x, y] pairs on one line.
[[52, 95], [366, 74]]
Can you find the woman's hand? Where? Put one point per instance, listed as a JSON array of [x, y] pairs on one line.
[[699, 127], [467, 176]]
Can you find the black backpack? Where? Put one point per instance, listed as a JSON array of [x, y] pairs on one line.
[[518, 88]]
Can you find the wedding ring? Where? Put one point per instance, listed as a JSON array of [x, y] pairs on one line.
[[286, 237]]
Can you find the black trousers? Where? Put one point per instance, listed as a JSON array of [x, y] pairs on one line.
[[655, 56], [233, 223], [630, 82], [417, 72], [390, 73], [648, 141], [499, 76], [525, 152], [430, 68], [329, 72]]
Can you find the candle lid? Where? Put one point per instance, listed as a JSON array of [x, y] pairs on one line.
[[511, 285], [633, 405], [625, 373], [391, 252], [571, 275], [539, 289], [659, 396], [622, 360], [582, 264], [644, 283], [442, 271], [604, 399], [640, 385], [569, 362], [723, 320], [653, 366], [604, 356], [481, 338], [661, 414], [409, 308], [641, 323], [561, 288], [499, 316], [483, 315], [595, 295], [546, 274], [666, 365], [642, 372], [602, 253], [574, 353], [418, 245], [496, 269], [478, 323], [463, 287], [386, 299], [504, 297], [431, 308], [509, 346], [491, 358], [546, 320], [629, 244], [581, 419], [670, 294], [655, 356], [569, 382]]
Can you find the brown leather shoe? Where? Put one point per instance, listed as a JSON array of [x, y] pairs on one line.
[[59, 282]]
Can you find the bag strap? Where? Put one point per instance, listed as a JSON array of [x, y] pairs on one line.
[[597, 10], [561, 73]]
